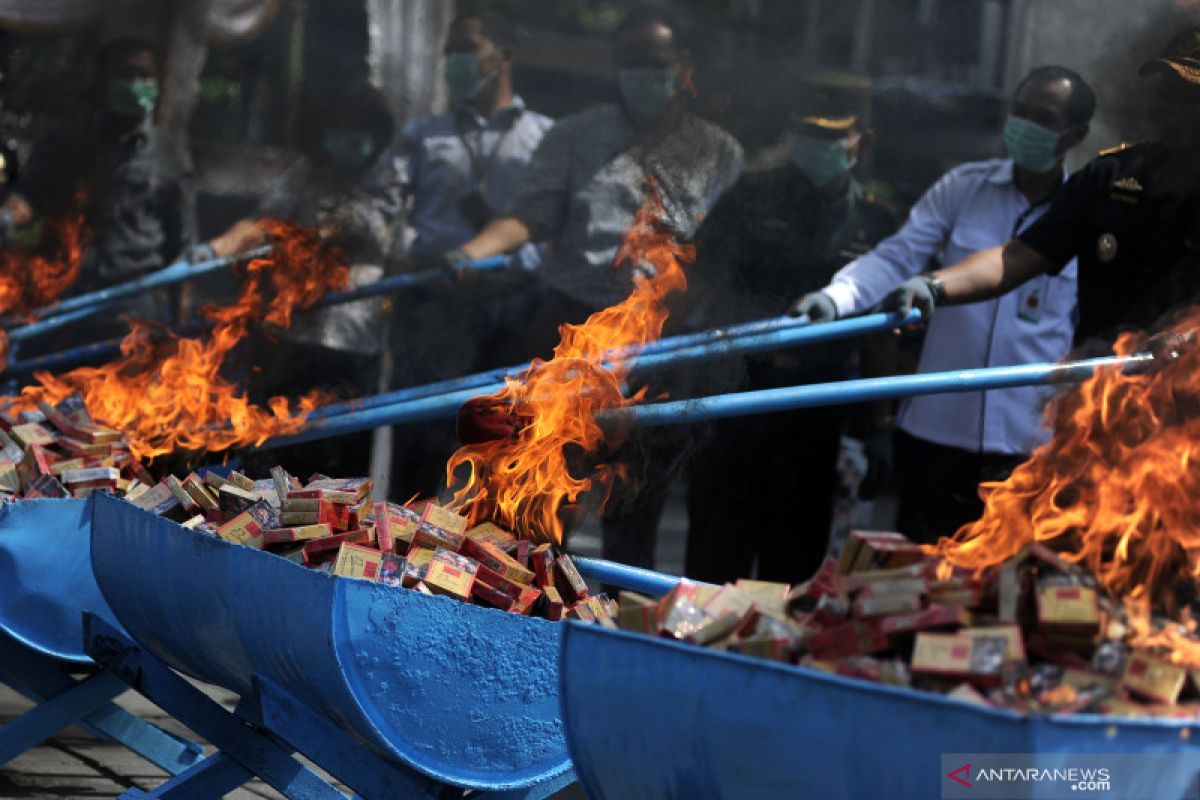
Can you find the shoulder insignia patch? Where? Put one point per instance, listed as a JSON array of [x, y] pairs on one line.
[[1128, 184]]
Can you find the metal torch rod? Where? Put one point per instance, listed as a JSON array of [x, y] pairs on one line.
[[738, 404], [169, 275], [774, 333], [101, 351], [792, 398]]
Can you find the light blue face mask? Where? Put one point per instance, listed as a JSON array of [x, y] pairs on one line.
[[822, 161], [349, 149], [1030, 145], [646, 93], [464, 75]]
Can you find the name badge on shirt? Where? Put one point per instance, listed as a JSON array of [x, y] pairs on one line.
[[1031, 299]]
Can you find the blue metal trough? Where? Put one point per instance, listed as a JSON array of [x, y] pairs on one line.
[[434, 688], [46, 585], [649, 718]]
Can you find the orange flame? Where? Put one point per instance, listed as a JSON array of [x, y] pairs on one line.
[[30, 279], [168, 393], [1116, 488], [523, 481]]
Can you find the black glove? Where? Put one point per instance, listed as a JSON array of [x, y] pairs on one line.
[[454, 259], [817, 306], [880, 464], [922, 292]]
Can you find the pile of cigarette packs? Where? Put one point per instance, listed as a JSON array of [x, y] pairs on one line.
[[59, 451], [1035, 635], [331, 524]]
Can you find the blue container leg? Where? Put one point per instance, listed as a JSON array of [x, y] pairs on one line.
[[254, 750], [63, 700], [215, 776]]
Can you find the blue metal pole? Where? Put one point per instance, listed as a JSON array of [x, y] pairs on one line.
[[178, 272], [633, 578], [400, 282], [774, 333], [792, 398], [738, 404], [76, 356]]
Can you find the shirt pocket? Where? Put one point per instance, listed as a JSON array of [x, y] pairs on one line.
[[966, 240]]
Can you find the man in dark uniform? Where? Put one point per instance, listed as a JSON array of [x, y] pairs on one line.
[[133, 183], [1130, 216], [763, 488]]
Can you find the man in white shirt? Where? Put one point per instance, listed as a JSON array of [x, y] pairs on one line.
[[947, 444]]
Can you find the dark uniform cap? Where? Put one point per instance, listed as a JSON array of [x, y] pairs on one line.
[[835, 101], [1180, 57]]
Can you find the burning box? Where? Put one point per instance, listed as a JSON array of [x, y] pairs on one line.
[[355, 561], [341, 491], [497, 560], [450, 574], [541, 559], [932, 617], [1070, 610], [32, 433], [426, 535], [1153, 678]]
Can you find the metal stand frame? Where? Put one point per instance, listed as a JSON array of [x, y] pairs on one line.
[[262, 734], [63, 699]]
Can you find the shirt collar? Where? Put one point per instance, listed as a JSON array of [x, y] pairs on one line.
[[505, 116], [1002, 173]]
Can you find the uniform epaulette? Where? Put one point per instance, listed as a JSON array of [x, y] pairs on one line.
[[1112, 151]]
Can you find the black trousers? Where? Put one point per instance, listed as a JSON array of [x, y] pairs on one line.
[[762, 490], [939, 485]]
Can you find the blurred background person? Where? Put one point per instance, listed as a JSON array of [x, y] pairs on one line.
[[341, 186], [947, 444], [761, 490], [133, 182], [580, 194], [455, 170]]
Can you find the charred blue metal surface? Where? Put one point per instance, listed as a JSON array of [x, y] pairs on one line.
[[46, 580], [463, 694], [649, 718]]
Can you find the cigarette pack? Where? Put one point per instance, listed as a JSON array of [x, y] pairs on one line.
[[417, 565], [451, 574], [854, 638], [152, 497], [234, 499], [355, 561], [301, 533], [763, 647], [491, 534], [339, 490], [185, 500], [283, 483], [1068, 609], [875, 550], [712, 631], [32, 433], [526, 600], [554, 603], [243, 529], [498, 581], [568, 581], [496, 560], [359, 515], [426, 535], [59, 467], [933, 617], [9, 449], [886, 604], [78, 448], [637, 612], [541, 560], [214, 480], [679, 613], [391, 569], [766, 594], [443, 518], [317, 547], [45, 486], [10, 481], [728, 600], [35, 462], [581, 611], [383, 527], [490, 596], [1153, 678], [521, 552], [976, 658], [241, 481], [203, 497]]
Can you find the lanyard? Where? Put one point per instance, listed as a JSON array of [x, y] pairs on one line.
[[479, 173]]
